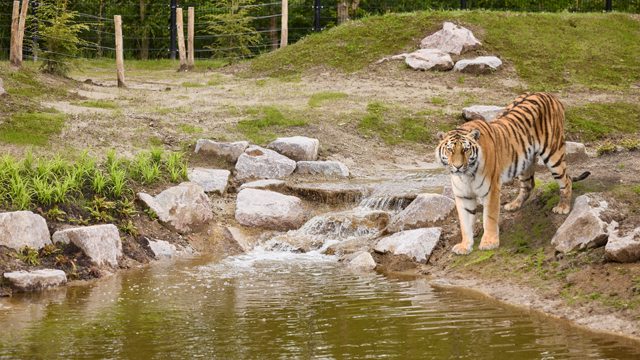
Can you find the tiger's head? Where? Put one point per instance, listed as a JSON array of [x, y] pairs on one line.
[[459, 151]]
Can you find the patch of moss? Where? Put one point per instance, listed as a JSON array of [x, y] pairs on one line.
[[31, 128], [98, 104], [191, 84], [596, 121], [317, 98], [189, 129], [408, 128]]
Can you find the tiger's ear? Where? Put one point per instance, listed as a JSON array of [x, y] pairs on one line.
[[441, 135], [475, 134]]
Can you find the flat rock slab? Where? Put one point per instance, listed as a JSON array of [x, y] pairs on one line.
[[184, 208], [329, 168], [588, 225], [268, 210], [165, 250], [260, 163], [330, 193], [227, 151], [362, 262], [425, 211], [298, 148], [427, 59], [623, 246], [101, 243], [452, 39], [417, 244], [23, 228], [479, 65], [210, 180], [270, 184], [23, 281], [481, 112]]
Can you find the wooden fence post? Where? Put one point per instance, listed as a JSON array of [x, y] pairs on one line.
[[191, 17], [284, 33], [15, 18], [23, 18], [179, 28], [119, 52]]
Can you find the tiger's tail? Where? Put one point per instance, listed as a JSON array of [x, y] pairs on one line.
[[582, 176]]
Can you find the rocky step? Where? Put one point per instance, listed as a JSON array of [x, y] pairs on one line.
[[330, 193], [23, 281], [418, 244]]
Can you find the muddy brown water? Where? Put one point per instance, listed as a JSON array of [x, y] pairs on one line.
[[274, 305]]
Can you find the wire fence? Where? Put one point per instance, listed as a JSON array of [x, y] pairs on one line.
[[147, 30]]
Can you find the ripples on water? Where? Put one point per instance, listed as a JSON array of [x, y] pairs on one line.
[[272, 305]]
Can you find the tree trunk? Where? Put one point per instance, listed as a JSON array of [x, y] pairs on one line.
[[144, 49], [273, 33], [343, 11]]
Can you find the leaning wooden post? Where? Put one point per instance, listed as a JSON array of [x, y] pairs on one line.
[[191, 17], [23, 18], [15, 19], [284, 32], [119, 52], [183, 52]]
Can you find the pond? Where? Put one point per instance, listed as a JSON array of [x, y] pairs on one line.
[[280, 305]]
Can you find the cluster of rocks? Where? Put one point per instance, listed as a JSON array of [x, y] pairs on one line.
[[436, 49]]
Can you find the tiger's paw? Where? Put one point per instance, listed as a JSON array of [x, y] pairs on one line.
[[462, 249], [489, 243], [513, 206], [561, 209]]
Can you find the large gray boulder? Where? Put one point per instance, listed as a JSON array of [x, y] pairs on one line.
[[425, 211], [22, 281], [210, 180], [101, 243], [298, 148], [165, 250], [261, 163], [330, 168], [362, 262], [268, 210], [23, 228], [588, 225], [268, 184], [481, 112], [623, 246], [479, 65], [184, 208], [418, 244], [452, 39], [227, 151], [427, 59]]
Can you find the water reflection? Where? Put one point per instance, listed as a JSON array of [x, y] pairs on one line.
[[268, 305]]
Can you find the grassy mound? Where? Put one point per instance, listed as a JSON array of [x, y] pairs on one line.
[[549, 51]]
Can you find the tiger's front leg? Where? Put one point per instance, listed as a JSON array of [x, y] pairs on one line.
[[466, 211], [491, 212]]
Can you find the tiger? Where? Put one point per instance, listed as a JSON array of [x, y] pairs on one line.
[[481, 155]]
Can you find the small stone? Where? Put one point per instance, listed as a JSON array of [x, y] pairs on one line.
[[227, 151], [184, 208], [101, 243], [298, 148], [22, 281], [588, 225], [481, 112], [268, 210], [417, 244], [330, 168], [23, 228], [236, 236], [425, 211], [479, 65], [429, 59], [623, 247], [163, 249], [210, 180], [452, 39], [269, 184], [362, 262], [260, 163]]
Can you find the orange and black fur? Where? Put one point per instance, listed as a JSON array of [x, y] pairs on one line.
[[481, 156]]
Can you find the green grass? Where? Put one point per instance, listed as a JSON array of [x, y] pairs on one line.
[[550, 51], [31, 128], [438, 101], [192, 84], [214, 82], [98, 104], [407, 128], [189, 129], [259, 130], [595, 121], [317, 98]]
